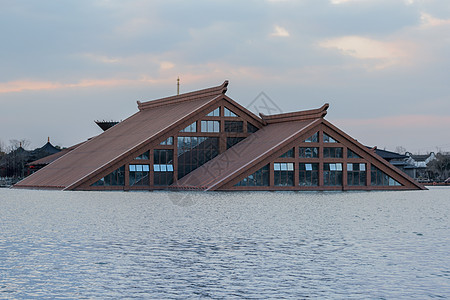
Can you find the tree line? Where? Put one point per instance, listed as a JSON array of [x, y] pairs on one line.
[[14, 158]]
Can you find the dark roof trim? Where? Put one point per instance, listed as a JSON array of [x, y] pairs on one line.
[[296, 116], [221, 89]]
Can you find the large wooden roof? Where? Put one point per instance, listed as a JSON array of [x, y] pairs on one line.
[[153, 118]]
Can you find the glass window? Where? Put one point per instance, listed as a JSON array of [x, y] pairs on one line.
[[351, 154], [308, 152], [283, 174], [163, 174], [328, 139], [210, 126], [231, 141], [144, 155], [356, 174], [332, 152], [379, 178], [289, 153], [139, 175], [309, 174], [332, 174], [259, 178], [214, 113], [251, 128], [228, 113], [169, 141], [313, 139], [115, 178], [195, 151], [163, 156], [234, 126], [190, 128]]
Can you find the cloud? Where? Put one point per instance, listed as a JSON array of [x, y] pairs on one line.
[[280, 32], [166, 65], [386, 53], [30, 85], [430, 21]]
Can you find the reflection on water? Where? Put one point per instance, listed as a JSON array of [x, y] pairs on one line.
[[224, 245]]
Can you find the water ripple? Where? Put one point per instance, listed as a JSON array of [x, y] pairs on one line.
[[82, 245]]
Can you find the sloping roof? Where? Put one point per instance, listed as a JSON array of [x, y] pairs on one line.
[[114, 144], [48, 148], [420, 157], [280, 129], [388, 155]]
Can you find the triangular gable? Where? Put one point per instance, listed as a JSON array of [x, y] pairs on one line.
[[102, 154], [245, 157], [260, 149], [369, 155]]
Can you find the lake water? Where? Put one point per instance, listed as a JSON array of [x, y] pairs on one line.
[[253, 245]]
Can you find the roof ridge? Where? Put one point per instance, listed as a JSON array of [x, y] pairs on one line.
[[296, 116], [220, 89]]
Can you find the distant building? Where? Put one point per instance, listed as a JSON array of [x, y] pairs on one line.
[[204, 140], [16, 163], [416, 165], [45, 160]]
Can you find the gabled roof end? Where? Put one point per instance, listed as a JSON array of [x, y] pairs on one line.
[[296, 116], [209, 92]]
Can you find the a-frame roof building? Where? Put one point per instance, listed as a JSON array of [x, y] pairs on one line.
[[205, 140]]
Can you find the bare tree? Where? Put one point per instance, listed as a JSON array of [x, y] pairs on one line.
[[15, 144], [400, 149], [2, 148], [440, 167]]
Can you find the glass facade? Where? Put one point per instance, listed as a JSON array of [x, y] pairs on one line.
[[210, 126], [228, 113], [231, 141], [251, 128], [162, 166], [194, 152], [283, 174], [379, 178], [351, 154], [328, 139], [144, 155], [308, 152], [259, 178], [162, 174], [289, 153], [309, 174], [139, 175], [163, 156], [214, 113], [332, 174], [169, 141], [356, 174], [332, 152], [115, 178], [234, 126], [313, 139], [190, 128]]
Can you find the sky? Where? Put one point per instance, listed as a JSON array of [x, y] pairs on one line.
[[382, 65]]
